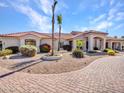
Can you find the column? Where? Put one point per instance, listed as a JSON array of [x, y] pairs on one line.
[[121, 45], [90, 43], [98, 43], [84, 46], [104, 44], [74, 45], [110, 44], [38, 44]]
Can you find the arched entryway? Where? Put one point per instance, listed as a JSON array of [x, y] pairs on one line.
[[116, 45], [30, 42], [98, 43], [94, 43], [1, 46]]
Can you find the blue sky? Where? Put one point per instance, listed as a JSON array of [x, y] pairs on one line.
[[78, 15]]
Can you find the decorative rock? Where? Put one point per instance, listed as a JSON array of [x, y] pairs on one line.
[[51, 58]]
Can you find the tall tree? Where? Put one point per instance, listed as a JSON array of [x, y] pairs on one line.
[[59, 19], [53, 21]]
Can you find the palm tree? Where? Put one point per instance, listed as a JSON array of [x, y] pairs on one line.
[[53, 21], [59, 19]]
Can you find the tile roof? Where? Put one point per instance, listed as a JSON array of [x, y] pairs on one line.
[[113, 38], [63, 35], [42, 35], [20, 34], [71, 35], [78, 33]]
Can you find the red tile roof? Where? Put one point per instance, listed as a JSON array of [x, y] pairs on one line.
[[20, 34], [63, 35], [113, 38], [71, 35]]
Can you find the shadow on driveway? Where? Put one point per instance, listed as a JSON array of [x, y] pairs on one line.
[[33, 62]]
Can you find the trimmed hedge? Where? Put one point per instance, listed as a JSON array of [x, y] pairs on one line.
[[45, 48], [15, 49], [106, 50], [116, 51], [5, 52], [78, 53], [28, 50], [111, 52]]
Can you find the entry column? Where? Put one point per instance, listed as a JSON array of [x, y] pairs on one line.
[[110, 44], [38, 44], [121, 45], [90, 43], [104, 44]]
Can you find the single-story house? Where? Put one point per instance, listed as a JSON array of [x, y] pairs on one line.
[[91, 39]]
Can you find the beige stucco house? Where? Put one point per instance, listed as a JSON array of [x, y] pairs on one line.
[[91, 39]]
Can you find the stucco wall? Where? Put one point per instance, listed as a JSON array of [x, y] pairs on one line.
[[37, 39], [90, 40], [9, 41], [74, 41], [49, 41]]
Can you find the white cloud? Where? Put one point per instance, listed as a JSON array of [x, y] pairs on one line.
[[99, 18], [112, 2], [102, 3], [36, 20], [118, 26], [80, 28], [103, 25], [119, 16], [112, 13], [22, 1], [3, 4], [44, 5]]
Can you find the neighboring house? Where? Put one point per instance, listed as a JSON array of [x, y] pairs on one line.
[[92, 40]]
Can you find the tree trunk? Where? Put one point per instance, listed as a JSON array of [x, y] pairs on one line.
[[59, 38], [53, 34]]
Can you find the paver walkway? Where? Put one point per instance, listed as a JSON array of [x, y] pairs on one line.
[[105, 75]]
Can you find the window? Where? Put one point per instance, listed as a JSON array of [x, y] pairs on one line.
[[0, 45], [30, 42]]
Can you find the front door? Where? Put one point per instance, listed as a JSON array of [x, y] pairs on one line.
[[1, 45]]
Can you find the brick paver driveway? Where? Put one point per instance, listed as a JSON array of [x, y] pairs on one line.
[[105, 75]]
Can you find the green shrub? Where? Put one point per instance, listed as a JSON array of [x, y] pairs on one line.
[[15, 49], [28, 50], [111, 52], [78, 53], [106, 50], [45, 48], [5, 52], [116, 51]]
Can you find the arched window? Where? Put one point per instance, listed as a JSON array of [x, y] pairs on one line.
[[30, 42]]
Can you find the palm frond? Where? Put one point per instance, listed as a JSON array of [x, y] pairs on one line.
[[59, 19]]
